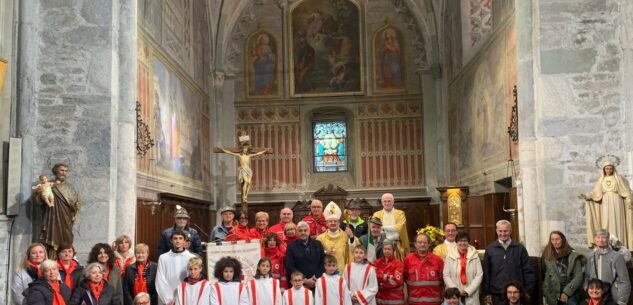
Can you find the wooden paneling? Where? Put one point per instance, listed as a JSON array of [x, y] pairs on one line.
[[149, 226], [419, 213]]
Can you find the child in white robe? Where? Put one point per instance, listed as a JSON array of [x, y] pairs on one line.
[[172, 268], [298, 295], [228, 290], [195, 289], [264, 289], [331, 288], [361, 278]]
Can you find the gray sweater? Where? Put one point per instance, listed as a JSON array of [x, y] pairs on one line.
[[613, 270]]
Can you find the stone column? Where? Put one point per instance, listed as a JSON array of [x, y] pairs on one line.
[[77, 84]]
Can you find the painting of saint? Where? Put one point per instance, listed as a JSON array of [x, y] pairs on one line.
[[177, 123], [325, 48], [388, 60], [262, 65]]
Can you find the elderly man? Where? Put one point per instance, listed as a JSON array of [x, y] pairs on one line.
[[505, 260], [305, 255], [315, 219], [609, 267], [285, 217], [372, 242], [450, 232], [357, 224], [423, 272], [142, 299], [221, 230], [394, 224], [181, 221], [335, 241]]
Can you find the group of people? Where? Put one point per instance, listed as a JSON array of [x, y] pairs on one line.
[[328, 258]]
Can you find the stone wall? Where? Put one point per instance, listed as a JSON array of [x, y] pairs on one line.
[[574, 107], [76, 86], [480, 97]]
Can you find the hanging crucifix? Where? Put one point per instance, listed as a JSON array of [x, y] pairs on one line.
[[244, 153]]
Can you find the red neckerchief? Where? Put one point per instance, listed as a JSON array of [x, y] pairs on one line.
[[462, 268], [58, 299], [193, 281], [140, 284], [592, 303], [68, 280], [123, 265], [106, 277], [35, 267], [96, 289]]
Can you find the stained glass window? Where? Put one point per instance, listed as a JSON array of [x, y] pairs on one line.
[[330, 146]]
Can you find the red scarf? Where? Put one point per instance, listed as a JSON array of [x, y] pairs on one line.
[[58, 299], [96, 289], [123, 265], [140, 284], [35, 267], [106, 277], [592, 303], [192, 281], [462, 268], [68, 280]]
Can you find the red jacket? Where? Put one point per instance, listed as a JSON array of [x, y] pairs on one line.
[[424, 278], [240, 233], [317, 226], [277, 269], [390, 275]]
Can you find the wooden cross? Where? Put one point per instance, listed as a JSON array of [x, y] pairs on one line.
[[244, 153]]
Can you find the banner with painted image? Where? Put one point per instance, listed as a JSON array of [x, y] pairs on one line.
[[247, 253]]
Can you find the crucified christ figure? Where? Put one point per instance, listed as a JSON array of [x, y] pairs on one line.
[[244, 171]]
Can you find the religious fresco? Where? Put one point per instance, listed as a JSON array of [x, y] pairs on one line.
[[476, 26], [330, 146], [388, 60], [262, 54], [326, 48], [177, 123]]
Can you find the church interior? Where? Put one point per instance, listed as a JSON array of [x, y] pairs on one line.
[[467, 111]]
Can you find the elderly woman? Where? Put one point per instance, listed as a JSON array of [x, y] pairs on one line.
[[462, 270], [102, 253], [123, 253], [48, 290], [261, 225], [597, 294], [140, 277], [290, 233], [28, 272], [94, 290]]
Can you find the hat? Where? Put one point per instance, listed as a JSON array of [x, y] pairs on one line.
[[181, 212], [227, 208], [332, 211], [376, 221], [354, 204]]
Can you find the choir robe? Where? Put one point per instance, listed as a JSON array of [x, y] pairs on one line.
[[196, 294], [362, 283], [341, 242], [332, 290], [301, 296], [172, 270], [229, 293], [264, 291]]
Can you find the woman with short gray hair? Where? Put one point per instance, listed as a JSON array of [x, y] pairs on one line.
[[48, 289], [94, 290]]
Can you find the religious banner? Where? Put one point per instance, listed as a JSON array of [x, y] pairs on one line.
[[247, 253]]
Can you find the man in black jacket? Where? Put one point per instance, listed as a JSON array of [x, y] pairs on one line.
[[305, 255], [181, 221], [505, 260]]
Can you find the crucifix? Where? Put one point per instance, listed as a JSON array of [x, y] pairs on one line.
[[244, 153]]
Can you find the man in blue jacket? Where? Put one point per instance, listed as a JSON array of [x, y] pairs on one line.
[[505, 260], [181, 222]]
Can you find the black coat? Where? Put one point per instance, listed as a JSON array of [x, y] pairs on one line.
[[76, 275], [82, 294], [130, 277], [501, 266], [41, 293], [307, 258]]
